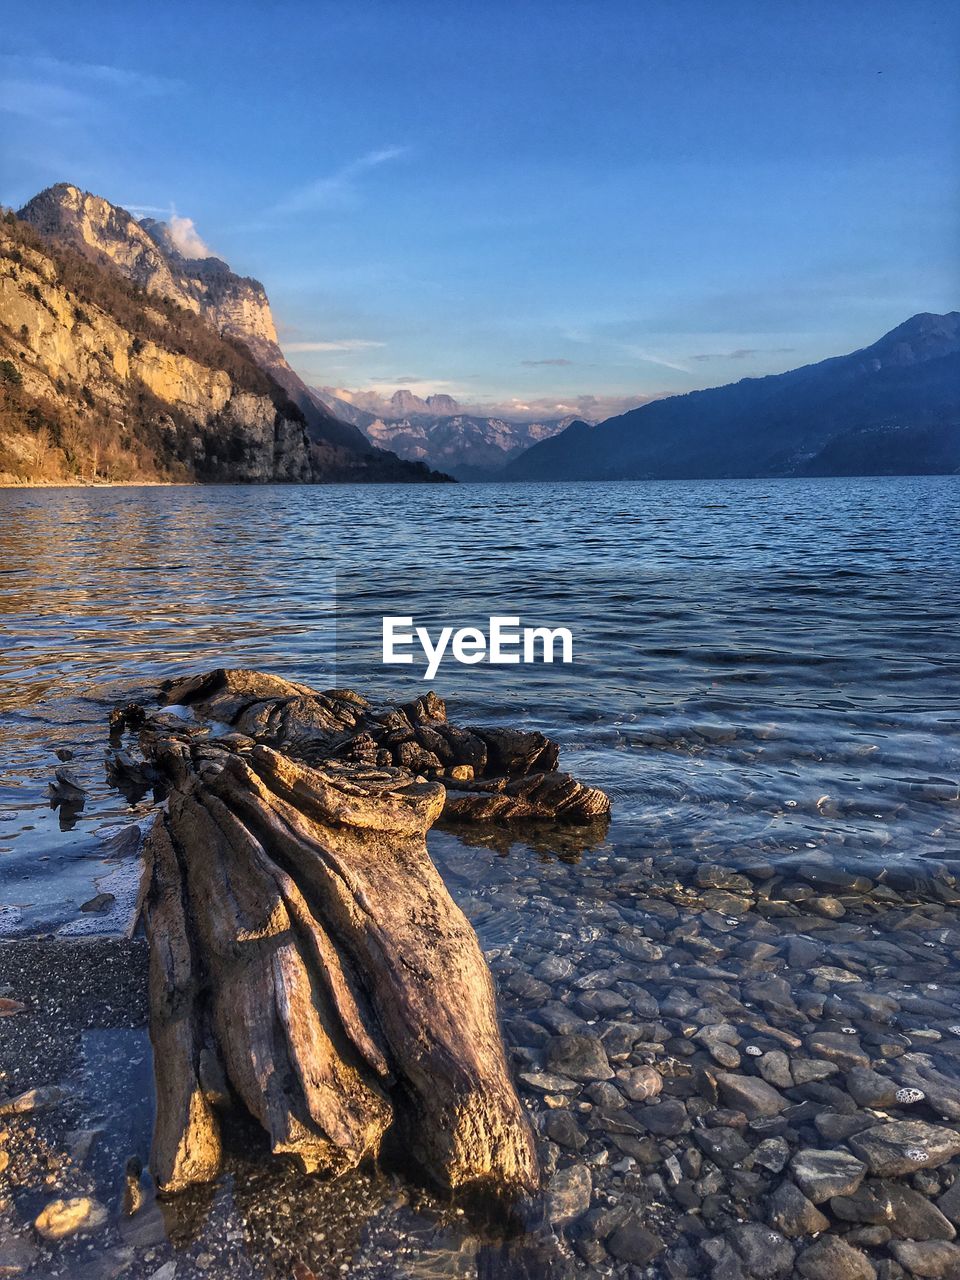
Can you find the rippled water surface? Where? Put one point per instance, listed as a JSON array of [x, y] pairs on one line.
[[761, 667]]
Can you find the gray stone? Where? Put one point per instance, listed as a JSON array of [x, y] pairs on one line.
[[844, 1051], [568, 1194], [810, 1070], [720, 1040], [17, 1254], [579, 1057], [666, 1118], [933, 1258], [915, 1217], [632, 1242], [868, 1204], [606, 1095], [765, 1253], [724, 1147], [904, 1146], [823, 1174], [834, 1126], [561, 1128], [949, 1202], [99, 905], [641, 1083], [830, 1258], [789, 1210], [775, 1069], [772, 1154], [751, 1095], [559, 1018], [870, 1237], [712, 876], [547, 1082], [869, 1088]]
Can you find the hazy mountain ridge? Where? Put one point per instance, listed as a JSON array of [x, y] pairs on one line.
[[890, 408], [440, 432]]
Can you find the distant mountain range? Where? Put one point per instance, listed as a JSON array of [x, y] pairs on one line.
[[122, 358], [438, 431], [892, 408]]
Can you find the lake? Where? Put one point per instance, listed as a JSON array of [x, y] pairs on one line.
[[762, 668], [764, 680]]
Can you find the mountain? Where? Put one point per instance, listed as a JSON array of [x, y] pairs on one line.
[[195, 300], [467, 445], [96, 382], [891, 408]]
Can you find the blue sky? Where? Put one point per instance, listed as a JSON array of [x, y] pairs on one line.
[[530, 201]]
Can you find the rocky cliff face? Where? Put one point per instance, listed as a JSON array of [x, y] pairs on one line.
[[200, 316], [96, 384]]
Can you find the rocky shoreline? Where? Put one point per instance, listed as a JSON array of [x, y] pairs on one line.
[[732, 1069], [712, 1062]]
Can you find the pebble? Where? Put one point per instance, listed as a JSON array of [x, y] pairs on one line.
[[870, 1089], [933, 1258], [831, 1258], [842, 1050], [63, 1218], [633, 1242], [793, 1214], [766, 1254], [903, 1146], [774, 1067], [823, 1174], [33, 1100], [579, 1057], [568, 1194], [751, 1095], [640, 1083]]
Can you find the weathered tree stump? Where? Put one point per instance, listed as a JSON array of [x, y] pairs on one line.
[[489, 774], [306, 959]]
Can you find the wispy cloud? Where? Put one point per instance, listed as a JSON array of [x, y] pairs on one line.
[[338, 189], [743, 353], [64, 70], [648, 357], [559, 361], [337, 344], [35, 100]]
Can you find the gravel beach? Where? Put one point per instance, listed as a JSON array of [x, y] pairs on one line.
[[732, 1072]]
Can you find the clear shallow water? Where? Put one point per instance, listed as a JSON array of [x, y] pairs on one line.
[[762, 668]]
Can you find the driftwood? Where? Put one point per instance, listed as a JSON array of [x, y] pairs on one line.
[[306, 959], [489, 774]]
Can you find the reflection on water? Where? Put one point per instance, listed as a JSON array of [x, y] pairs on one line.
[[762, 668]]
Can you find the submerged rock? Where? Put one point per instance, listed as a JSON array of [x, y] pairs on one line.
[[568, 1194], [823, 1174], [904, 1146], [793, 1214], [62, 1218], [831, 1258]]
